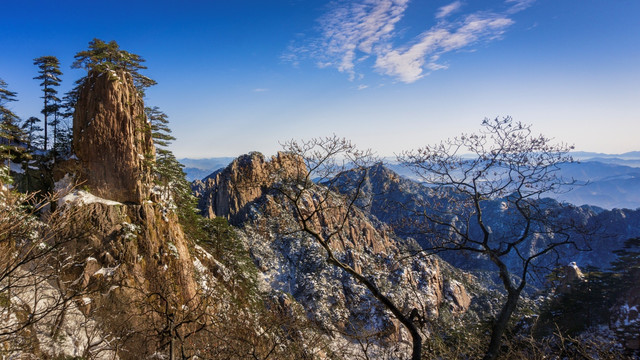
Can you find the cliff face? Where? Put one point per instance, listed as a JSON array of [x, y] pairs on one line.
[[226, 192], [112, 138]]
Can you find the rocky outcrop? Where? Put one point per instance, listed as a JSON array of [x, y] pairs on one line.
[[112, 138], [129, 244], [458, 297], [226, 192]]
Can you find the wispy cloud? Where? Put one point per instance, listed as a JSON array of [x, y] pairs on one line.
[[408, 63], [353, 32], [448, 9], [260, 90], [518, 5], [357, 27]]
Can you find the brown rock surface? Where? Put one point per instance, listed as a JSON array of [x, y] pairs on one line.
[[132, 248], [112, 139], [240, 193], [226, 193], [460, 299]]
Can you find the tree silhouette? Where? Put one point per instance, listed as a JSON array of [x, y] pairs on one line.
[[504, 161]]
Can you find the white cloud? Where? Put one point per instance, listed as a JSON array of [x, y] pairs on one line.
[[518, 5], [408, 64], [357, 27], [357, 33], [448, 9], [362, 87], [260, 90]]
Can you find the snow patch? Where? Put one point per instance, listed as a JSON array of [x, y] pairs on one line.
[[84, 198], [107, 271], [65, 185], [174, 250]]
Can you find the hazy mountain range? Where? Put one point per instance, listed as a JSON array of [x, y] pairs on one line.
[[608, 181]]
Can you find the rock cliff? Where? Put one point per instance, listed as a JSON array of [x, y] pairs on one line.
[[128, 244], [393, 199], [112, 138], [226, 192]]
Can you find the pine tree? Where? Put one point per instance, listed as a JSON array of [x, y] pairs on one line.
[[49, 70], [32, 131], [63, 140], [167, 169], [63, 135], [170, 176], [102, 57], [627, 264], [11, 136]]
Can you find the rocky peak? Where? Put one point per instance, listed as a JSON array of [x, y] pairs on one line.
[[226, 192], [112, 138]]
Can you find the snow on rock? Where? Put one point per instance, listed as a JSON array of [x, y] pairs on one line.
[[60, 331], [83, 197], [106, 271], [74, 195]]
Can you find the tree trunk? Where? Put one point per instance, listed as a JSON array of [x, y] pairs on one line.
[[501, 324], [417, 343], [45, 113]]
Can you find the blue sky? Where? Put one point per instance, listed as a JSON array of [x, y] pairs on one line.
[[391, 75]]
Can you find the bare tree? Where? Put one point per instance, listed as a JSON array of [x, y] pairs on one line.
[[38, 295], [507, 166], [309, 192]]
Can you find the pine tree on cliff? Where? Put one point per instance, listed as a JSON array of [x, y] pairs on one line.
[[103, 57], [49, 70], [168, 170]]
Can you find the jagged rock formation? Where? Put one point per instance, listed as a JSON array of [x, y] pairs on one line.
[[112, 139], [226, 192], [293, 263]]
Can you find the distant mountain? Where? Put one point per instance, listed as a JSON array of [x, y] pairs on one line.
[[608, 181], [585, 155], [392, 199], [603, 180], [197, 169], [195, 173], [607, 185]]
